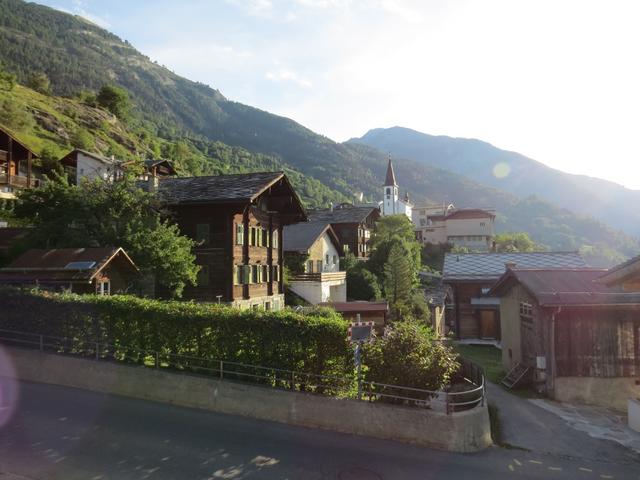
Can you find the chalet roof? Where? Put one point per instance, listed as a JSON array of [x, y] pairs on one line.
[[14, 139], [622, 272], [150, 163], [241, 187], [95, 156], [300, 237], [490, 266], [62, 264], [342, 215], [468, 213], [356, 307], [564, 287], [390, 180]]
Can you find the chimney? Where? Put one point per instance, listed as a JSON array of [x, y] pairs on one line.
[[152, 183], [510, 265], [331, 206]]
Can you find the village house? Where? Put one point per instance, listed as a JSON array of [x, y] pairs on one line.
[[80, 164], [352, 224], [312, 253], [391, 203], [471, 228], [625, 276], [237, 222], [573, 337], [16, 166], [471, 313], [103, 271]]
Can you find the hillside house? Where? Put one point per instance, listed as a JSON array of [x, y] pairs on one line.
[[312, 252], [391, 203], [80, 164], [103, 271], [237, 222], [575, 338], [471, 313], [352, 224], [625, 276], [471, 228], [16, 169]]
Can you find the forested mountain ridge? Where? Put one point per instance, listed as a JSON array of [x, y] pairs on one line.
[[602, 199], [203, 132]]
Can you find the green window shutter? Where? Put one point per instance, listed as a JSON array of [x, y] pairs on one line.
[[239, 234]]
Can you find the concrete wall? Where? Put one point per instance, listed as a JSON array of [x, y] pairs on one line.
[[462, 432], [606, 392]]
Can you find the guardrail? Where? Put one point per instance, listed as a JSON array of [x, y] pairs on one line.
[[337, 386]]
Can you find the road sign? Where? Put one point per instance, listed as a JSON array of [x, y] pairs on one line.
[[360, 331]]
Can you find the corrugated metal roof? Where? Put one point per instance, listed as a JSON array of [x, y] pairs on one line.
[[565, 287], [300, 237], [490, 266]]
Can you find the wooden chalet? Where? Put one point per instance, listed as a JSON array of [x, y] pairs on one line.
[[103, 271], [625, 276], [363, 311], [468, 277], [16, 169], [575, 338], [237, 222], [353, 226], [80, 164]]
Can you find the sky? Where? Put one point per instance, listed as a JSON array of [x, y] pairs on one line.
[[558, 81]]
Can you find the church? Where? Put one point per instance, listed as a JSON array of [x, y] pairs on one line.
[[391, 204]]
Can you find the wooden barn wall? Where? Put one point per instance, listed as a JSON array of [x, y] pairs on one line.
[[467, 317], [598, 343]]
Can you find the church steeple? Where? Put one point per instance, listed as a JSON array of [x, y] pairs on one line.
[[390, 181]]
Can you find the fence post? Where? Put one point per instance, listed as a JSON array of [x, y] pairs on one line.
[[157, 360], [293, 380], [97, 351], [446, 401], [221, 370], [41, 343]]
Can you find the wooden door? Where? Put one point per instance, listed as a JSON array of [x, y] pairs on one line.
[[488, 324]]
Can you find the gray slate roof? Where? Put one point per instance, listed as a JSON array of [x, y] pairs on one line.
[[242, 187], [299, 237], [491, 266], [341, 215]]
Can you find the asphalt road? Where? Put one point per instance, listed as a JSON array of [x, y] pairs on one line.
[[64, 433]]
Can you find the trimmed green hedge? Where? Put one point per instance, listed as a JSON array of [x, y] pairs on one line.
[[313, 344]]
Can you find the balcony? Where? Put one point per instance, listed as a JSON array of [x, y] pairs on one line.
[[319, 277], [17, 181], [4, 155]]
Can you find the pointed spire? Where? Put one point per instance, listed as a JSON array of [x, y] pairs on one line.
[[390, 181]]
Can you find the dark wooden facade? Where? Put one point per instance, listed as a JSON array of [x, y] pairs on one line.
[[239, 242], [16, 169], [468, 320]]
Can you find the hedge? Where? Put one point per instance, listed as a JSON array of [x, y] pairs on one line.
[[313, 343]]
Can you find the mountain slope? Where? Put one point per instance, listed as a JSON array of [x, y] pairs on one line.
[[607, 201], [171, 111]]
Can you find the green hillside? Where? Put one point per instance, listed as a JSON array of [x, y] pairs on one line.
[[203, 132]]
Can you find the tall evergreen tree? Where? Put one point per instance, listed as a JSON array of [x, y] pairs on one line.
[[398, 276]]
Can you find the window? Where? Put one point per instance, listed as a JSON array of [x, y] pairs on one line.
[[526, 309], [265, 237], [267, 305], [265, 273], [319, 265], [482, 224], [276, 273], [203, 276], [203, 234], [274, 239], [103, 287], [246, 274], [335, 259], [345, 248], [258, 241], [252, 236], [309, 266], [254, 274], [326, 260], [237, 274], [239, 234]]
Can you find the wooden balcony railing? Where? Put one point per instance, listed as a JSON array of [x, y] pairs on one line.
[[17, 181], [319, 277], [4, 156]]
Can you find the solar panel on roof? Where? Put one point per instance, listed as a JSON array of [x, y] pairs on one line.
[[79, 265]]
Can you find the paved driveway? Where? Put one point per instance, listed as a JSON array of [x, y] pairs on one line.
[[525, 424]]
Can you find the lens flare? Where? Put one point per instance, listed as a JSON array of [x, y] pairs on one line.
[[501, 170], [8, 388]]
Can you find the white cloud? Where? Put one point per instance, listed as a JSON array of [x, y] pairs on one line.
[[284, 75]]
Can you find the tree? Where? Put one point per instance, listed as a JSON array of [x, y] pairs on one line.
[[7, 80], [515, 242], [82, 139], [50, 161], [409, 355], [399, 276], [40, 83], [101, 213], [15, 115], [362, 285], [114, 99], [390, 230]]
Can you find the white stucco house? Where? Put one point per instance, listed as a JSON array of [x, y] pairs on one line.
[[315, 249], [81, 164]]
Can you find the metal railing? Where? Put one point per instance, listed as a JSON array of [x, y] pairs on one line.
[[337, 386], [319, 276]]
